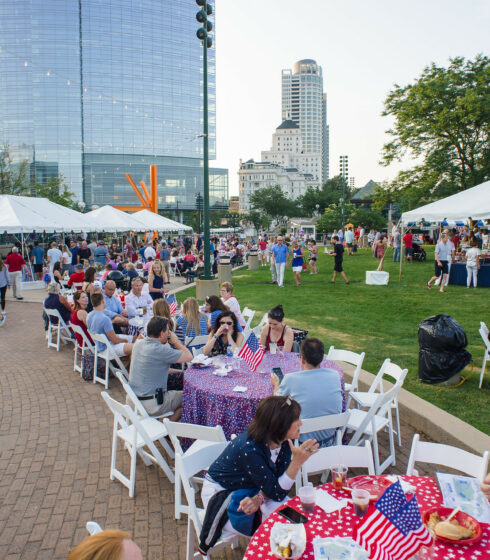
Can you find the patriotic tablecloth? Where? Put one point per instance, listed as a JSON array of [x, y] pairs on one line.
[[322, 524], [137, 324], [209, 400]]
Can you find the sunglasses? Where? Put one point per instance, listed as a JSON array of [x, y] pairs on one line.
[[225, 323]]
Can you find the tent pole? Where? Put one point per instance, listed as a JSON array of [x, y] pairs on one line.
[[401, 256]]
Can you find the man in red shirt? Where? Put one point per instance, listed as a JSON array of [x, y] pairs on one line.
[[408, 242], [77, 277], [15, 264]]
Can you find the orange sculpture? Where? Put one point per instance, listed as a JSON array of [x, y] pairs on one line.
[[149, 200]]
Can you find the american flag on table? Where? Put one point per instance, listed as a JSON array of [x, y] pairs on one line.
[[252, 352], [172, 303], [392, 529]]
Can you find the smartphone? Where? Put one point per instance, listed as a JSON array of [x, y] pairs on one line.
[[278, 372], [292, 515]]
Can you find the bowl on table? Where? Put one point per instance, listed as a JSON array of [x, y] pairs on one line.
[[462, 518]]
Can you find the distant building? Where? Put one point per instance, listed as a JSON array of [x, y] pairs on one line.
[[364, 195], [352, 182], [254, 176], [234, 204], [304, 102]]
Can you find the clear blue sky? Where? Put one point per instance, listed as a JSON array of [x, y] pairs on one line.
[[363, 46]]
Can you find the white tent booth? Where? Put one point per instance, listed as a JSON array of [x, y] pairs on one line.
[[155, 222], [111, 219]]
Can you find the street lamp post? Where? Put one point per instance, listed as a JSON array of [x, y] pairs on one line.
[[203, 35]]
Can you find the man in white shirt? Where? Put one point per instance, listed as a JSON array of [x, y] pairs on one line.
[[451, 259], [150, 252], [136, 299], [54, 256]]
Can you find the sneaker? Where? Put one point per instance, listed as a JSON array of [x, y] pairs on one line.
[[19, 298]]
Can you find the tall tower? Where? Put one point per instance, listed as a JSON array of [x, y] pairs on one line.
[[304, 102]]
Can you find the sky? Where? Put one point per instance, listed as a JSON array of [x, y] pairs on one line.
[[364, 48]]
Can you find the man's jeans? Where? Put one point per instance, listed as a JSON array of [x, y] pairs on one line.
[[280, 273]]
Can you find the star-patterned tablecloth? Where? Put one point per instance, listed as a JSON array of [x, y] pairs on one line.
[[321, 524]]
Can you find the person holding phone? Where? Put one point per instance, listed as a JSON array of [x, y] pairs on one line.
[[261, 461], [224, 334]]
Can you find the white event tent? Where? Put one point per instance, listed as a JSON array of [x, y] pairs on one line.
[[155, 222], [474, 203], [111, 219]]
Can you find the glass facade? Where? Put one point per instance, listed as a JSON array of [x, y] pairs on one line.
[[92, 89]]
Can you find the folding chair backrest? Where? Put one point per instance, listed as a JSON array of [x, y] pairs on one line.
[[178, 430], [140, 409], [121, 411], [248, 315], [448, 456], [483, 330], [349, 357], [189, 466], [200, 340], [93, 528], [78, 330], [388, 368], [54, 313], [328, 422]]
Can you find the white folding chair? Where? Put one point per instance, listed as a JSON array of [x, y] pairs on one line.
[[486, 353], [366, 399], [193, 341], [256, 330], [93, 528], [136, 433], [248, 315], [349, 357], [87, 346], [448, 456], [108, 354], [59, 328], [188, 466], [203, 436], [367, 424], [348, 455]]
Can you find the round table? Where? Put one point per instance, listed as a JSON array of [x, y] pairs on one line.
[[209, 400], [321, 524], [137, 324]]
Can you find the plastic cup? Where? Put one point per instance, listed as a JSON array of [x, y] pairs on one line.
[[307, 497], [272, 347], [360, 499], [339, 476]]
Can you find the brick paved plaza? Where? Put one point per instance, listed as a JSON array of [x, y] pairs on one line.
[[55, 447]]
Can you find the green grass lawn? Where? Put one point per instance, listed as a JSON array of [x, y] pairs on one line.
[[379, 320]]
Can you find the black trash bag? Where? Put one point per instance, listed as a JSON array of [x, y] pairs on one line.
[[442, 353]]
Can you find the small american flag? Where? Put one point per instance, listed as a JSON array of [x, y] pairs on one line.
[[392, 528], [252, 352], [172, 303]]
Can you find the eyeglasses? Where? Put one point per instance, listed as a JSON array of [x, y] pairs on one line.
[[226, 323]]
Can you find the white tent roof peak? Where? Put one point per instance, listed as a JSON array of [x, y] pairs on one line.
[[113, 220], [155, 222]]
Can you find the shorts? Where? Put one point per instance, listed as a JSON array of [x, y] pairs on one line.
[[349, 244], [438, 270], [297, 268], [38, 268], [172, 400], [409, 251], [313, 258], [338, 267], [119, 347]]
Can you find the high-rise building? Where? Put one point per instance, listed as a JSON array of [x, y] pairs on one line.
[[94, 89], [304, 102]]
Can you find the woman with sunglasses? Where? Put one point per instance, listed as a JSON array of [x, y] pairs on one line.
[[275, 332], [224, 334]]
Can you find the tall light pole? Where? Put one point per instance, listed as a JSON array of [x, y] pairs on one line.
[[203, 35]]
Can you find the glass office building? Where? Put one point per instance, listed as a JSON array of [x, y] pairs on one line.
[[93, 89]]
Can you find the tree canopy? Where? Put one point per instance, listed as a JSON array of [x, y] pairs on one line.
[[273, 203], [330, 193], [442, 120]]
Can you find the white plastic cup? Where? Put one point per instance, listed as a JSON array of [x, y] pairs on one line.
[[307, 497], [272, 347]]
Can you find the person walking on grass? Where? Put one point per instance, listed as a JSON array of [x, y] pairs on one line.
[[442, 254], [338, 252]]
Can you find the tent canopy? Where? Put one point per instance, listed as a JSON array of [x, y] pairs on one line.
[[474, 203], [155, 222], [25, 214], [110, 219]]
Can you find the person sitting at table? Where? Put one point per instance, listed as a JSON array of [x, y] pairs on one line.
[[161, 308], [137, 299], [485, 487], [77, 277], [156, 280], [276, 332], [88, 285], [109, 545], [99, 323], [57, 275], [79, 315], [214, 306], [192, 322], [231, 301], [224, 335], [113, 306], [317, 389], [259, 466], [150, 364], [58, 302]]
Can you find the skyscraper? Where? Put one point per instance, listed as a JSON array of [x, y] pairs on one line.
[[304, 102], [93, 89]]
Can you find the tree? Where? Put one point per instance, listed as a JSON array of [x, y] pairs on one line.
[[56, 191], [257, 220], [272, 202], [443, 120], [369, 219], [333, 189], [13, 177]]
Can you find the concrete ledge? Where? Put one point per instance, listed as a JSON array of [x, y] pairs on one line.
[[437, 424]]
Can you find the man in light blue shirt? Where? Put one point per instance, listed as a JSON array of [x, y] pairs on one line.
[[349, 240], [113, 307], [318, 390], [443, 254], [280, 252]]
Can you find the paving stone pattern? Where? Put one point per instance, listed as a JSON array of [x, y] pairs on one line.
[[55, 448]]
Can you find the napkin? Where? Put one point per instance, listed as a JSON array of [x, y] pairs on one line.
[[327, 502], [406, 486], [240, 389], [201, 359], [222, 371]]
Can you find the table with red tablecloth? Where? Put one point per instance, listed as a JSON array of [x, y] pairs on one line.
[[209, 400], [321, 524]]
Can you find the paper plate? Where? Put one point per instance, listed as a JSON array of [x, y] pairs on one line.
[[281, 528], [375, 485], [461, 517]]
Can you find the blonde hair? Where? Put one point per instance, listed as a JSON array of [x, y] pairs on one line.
[[228, 286], [130, 266], [107, 545], [152, 271], [162, 309], [190, 310]]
